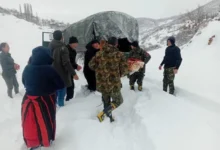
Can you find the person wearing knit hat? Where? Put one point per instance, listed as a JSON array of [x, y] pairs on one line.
[[171, 62], [73, 40], [140, 55], [73, 44]]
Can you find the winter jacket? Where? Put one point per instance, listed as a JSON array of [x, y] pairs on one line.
[[172, 57], [61, 62], [72, 55], [39, 77], [140, 54], [7, 63], [110, 65], [90, 53]]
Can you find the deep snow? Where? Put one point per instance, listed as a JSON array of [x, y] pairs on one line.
[[148, 120]]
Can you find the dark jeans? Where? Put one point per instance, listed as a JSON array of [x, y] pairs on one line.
[[11, 83], [91, 80], [70, 91]]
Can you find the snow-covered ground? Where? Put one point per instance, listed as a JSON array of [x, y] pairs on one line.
[[148, 120]]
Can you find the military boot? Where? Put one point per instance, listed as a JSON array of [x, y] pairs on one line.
[[140, 88], [132, 87], [101, 116], [108, 112]]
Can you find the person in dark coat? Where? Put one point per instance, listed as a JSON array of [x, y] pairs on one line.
[[92, 48], [41, 82], [171, 62], [73, 43], [62, 64], [9, 68]]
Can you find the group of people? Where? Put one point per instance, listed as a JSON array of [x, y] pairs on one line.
[[49, 79]]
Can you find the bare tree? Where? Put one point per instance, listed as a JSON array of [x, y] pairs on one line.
[[190, 15], [25, 11], [200, 15], [37, 19], [31, 12], [196, 16], [20, 10]]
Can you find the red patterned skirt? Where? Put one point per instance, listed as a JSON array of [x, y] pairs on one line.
[[39, 120]]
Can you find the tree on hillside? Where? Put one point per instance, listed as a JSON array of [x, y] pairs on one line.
[[196, 16], [200, 15], [31, 11], [20, 9], [28, 12], [25, 11], [37, 19], [190, 16]]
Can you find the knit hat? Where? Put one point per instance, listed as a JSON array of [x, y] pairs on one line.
[[73, 39], [94, 42], [57, 35], [135, 44], [113, 41], [172, 40]]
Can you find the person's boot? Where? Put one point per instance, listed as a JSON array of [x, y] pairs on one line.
[[101, 116], [140, 88], [10, 94], [108, 112], [132, 87]]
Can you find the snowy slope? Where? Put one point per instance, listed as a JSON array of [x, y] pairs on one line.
[[148, 120], [152, 37]]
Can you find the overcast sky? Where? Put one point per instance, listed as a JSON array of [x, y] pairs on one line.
[[74, 10]]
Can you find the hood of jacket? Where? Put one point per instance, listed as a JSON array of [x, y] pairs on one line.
[[41, 56]]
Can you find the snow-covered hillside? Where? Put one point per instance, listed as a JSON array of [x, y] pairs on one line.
[[148, 120], [153, 36]]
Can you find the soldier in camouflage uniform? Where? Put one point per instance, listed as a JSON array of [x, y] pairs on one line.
[[110, 65], [172, 61], [138, 53]]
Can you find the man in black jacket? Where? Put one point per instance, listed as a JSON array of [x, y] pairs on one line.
[[171, 63], [73, 43], [92, 48]]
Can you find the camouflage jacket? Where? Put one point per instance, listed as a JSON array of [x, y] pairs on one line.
[[110, 65], [140, 54]]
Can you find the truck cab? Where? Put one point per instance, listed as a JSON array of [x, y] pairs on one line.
[[47, 37]]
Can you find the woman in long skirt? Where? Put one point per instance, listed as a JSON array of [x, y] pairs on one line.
[[39, 103]]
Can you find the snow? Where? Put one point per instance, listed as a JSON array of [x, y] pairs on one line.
[[148, 120]]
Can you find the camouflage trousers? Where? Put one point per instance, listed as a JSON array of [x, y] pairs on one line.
[[137, 76], [115, 98], [168, 80]]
